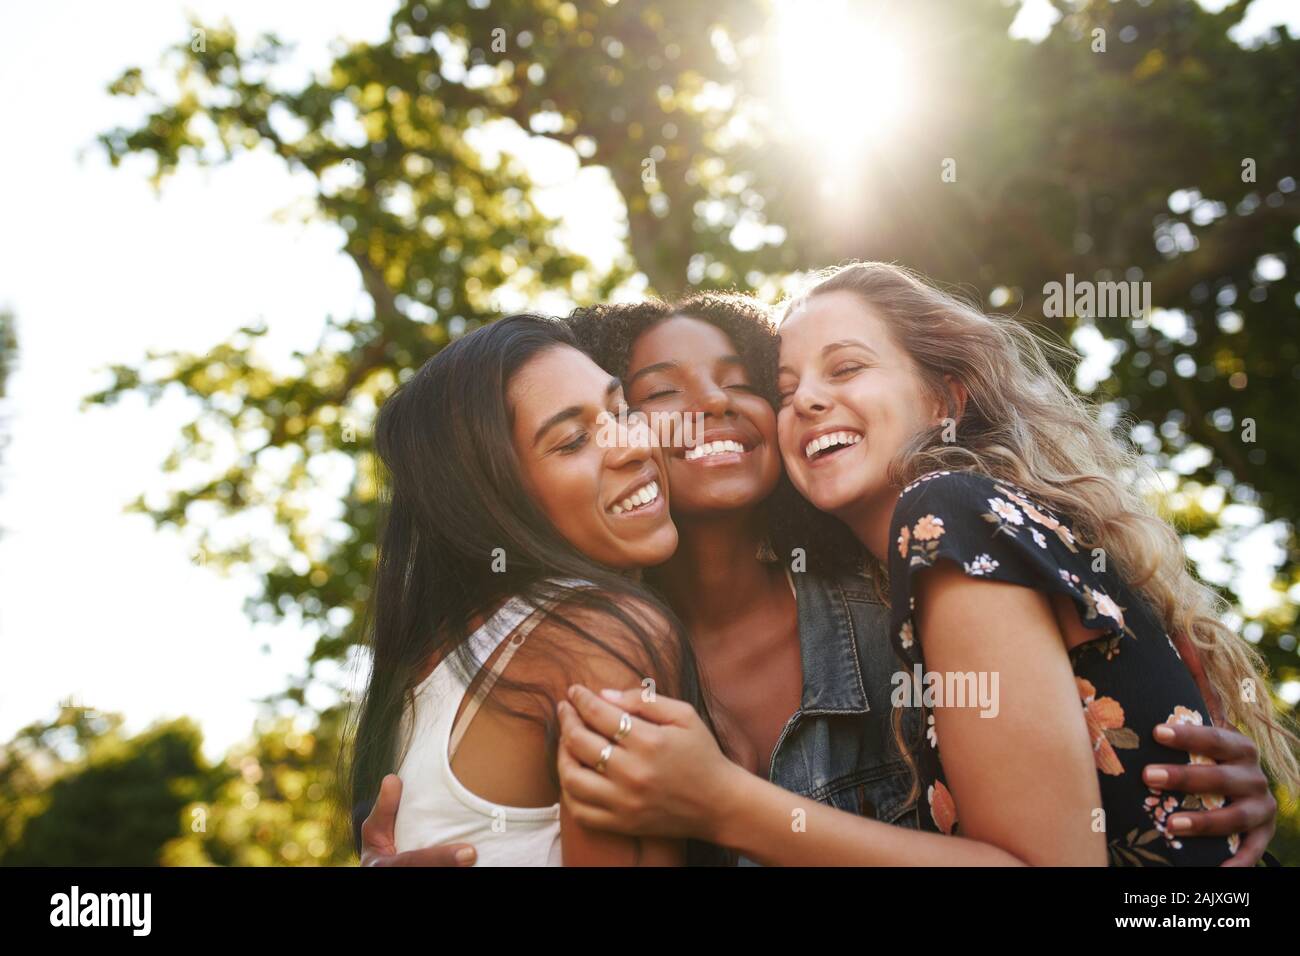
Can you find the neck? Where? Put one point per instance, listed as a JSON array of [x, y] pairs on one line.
[[715, 574], [869, 521]]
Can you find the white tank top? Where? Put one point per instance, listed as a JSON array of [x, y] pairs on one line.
[[435, 806]]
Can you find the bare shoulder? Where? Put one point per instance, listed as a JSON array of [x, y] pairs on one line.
[[620, 646]]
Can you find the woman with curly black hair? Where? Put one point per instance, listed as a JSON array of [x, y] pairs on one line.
[[781, 614]]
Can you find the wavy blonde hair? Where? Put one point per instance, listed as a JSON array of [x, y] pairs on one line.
[[1022, 423]]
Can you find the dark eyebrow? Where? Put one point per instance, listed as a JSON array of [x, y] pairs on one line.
[[656, 367], [573, 411], [671, 366], [828, 349]]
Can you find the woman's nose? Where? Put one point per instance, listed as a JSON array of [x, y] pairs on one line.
[[633, 440], [714, 400], [808, 400]]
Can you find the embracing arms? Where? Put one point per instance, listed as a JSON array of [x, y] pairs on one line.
[[669, 777], [1002, 771]]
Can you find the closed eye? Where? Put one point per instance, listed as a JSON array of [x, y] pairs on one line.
[[575, 444], [846, 368]]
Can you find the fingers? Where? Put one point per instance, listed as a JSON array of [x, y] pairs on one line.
[[600, 715], [583, 744], [1228, 780], [1252, 848], [1219, 743], [1234, 818], [581, 785], [657, 709], [1242, 815], [449, 854], [378, 845], [584, 787], [377, 830]]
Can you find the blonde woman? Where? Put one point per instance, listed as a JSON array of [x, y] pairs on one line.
[[1035, 602]]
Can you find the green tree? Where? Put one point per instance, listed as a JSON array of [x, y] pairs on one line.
[[76, 791], [1133, 163], [275, 803]]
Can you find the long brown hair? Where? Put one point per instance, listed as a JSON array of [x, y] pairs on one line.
[[453, 499], [1022, 423]]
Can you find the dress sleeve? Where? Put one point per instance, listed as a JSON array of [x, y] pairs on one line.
[[991, 529]]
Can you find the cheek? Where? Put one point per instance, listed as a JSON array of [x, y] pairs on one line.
[[763, 417], [766, 423], [567, 494], [894, 409], [785, 433]]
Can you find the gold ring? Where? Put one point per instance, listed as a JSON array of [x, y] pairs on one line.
[[605, 753], [624, 727]]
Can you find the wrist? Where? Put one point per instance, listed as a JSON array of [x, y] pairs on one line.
[[723, 809]]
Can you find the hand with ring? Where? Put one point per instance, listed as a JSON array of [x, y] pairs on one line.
[[641, 767]]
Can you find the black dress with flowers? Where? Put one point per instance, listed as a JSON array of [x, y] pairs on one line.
[[1130, 677]]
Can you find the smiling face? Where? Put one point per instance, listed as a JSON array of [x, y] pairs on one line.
[[683, 366], [850, 399], [611, 503]]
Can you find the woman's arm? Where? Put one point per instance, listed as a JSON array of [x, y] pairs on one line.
[[568, 659], [669, 777], [584, 845], [1024, 781]]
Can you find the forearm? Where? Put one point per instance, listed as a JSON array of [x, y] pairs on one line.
[[779, 828], [585, 846]]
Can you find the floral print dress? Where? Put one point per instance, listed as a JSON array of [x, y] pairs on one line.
[[1129, 678]]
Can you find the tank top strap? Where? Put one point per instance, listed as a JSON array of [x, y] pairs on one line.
[[484, 641], [516, 616]]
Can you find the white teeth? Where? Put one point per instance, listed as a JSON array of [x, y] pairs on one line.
[[713, 448], [637, 499], [826, 441]]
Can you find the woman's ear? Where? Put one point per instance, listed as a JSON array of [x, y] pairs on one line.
[[957, 395]]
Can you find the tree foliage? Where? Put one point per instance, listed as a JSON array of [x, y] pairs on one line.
[[1123, 164], [275, 803], [76, 791]]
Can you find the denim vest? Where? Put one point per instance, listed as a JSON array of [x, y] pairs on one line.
[[838, 748]]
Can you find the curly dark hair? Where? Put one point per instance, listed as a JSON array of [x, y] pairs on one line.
[[607, 333]]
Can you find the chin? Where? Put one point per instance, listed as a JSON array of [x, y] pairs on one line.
[[653, 550], [831, 499], [663, 546]]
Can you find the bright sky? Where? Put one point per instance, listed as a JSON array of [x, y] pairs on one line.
[[94, 603]]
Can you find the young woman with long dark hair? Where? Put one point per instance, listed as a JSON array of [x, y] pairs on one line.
[[501, 578]]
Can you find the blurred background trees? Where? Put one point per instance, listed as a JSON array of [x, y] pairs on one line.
[[743, 143], [8, 360], [78, 791]]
